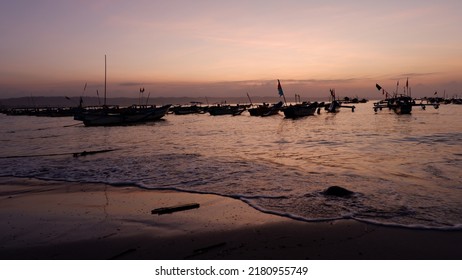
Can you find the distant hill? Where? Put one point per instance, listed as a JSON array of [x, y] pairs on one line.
[[62, 101]]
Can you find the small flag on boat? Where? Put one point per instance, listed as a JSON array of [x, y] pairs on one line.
[[85, 87], [141, 90], [435, 93], [378, 86], [281, 93], [332, 93]]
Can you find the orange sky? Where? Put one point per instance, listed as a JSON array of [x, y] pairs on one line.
[[228, 48]]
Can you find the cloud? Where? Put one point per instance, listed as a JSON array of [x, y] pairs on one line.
[[420, 74]]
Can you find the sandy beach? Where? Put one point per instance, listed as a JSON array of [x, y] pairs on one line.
[[61, 220]]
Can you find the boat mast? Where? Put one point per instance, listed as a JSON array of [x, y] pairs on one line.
[[407, 87], [248, 96], [105, 79]]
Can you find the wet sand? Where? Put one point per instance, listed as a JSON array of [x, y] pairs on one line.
[[61, 220]]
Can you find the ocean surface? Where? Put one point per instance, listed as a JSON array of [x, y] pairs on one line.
[[404, 170]]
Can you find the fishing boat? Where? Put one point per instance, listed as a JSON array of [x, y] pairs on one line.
[[347, 100], [401, 104], [219, 110], [300, 110], [113, 115], [109, 115], [265, 109], [335, 105], [297, 110], [189, 109]]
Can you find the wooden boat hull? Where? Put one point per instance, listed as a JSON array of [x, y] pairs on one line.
[[402, 109], [122, 117], [333, 107], [186, 110], [264, 111], [400, 105], [300, 110], [226, 110]]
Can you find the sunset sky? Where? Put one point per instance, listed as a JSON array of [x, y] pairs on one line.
[[228, 48]]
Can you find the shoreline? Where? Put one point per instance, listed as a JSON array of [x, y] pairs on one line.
[[85, 221]]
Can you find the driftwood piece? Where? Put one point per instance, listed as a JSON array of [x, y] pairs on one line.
[[79, 154], [85, 153], [171, 209]]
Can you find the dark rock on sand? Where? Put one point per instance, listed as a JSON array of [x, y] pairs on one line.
[[337, 191]]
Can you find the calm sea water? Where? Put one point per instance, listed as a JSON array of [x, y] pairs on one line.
[[405, 170]]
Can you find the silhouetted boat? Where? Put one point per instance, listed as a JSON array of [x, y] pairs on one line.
[[113, 115], [122, 116], [266, 109], [400, 104], [347, 100], [219, 110], [186, 110], [300, 110], [335, 105], [456, 101]]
